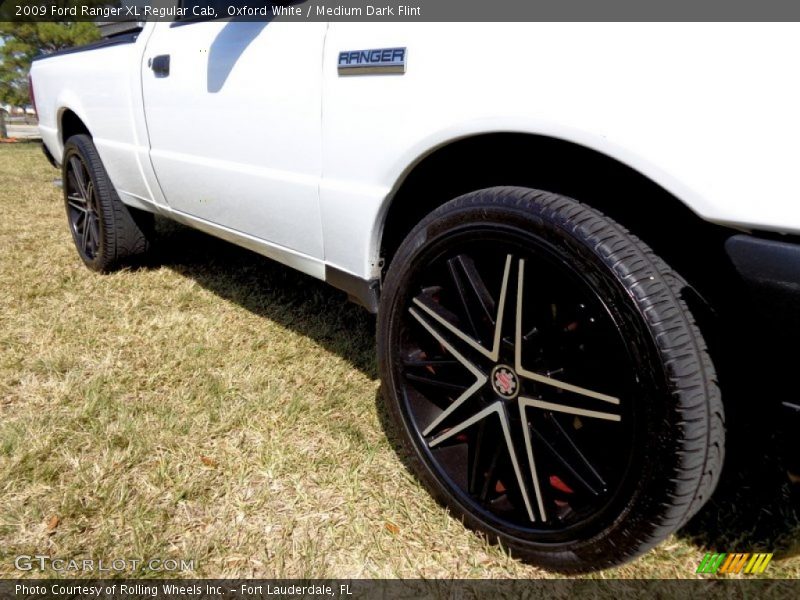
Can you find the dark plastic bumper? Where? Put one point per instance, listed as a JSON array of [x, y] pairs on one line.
[[771, 270]]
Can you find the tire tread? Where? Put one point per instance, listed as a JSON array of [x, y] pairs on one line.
[[657, 291]]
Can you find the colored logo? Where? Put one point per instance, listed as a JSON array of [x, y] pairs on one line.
[[504, 381], [733, 564]]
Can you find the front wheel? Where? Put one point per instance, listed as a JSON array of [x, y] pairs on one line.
[[549, 382]]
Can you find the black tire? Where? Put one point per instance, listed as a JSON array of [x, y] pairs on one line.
[[544, 461], [106, 233]]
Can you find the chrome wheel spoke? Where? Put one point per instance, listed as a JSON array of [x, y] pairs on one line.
[[499, 409], [572, 457], [94, 232], [79, 175], [480, 378], [526, 434], [492, 354], [85, 232], [572, 410], [538, 377], [90, 196], [479, 307], [72, 185], [436, 382], [81, 207], [77, 203], [507, 464]]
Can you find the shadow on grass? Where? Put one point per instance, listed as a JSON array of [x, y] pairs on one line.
[[268, 289], [754, 508]]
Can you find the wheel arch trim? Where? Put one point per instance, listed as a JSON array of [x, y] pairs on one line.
[[443, 139]]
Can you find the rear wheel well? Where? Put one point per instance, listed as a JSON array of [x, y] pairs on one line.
[[694, 247], [71, 124]]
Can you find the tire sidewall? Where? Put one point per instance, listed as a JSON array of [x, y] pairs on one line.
[[83, 148], [642, 510]]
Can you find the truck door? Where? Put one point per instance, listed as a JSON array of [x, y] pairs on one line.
[[233, 112]]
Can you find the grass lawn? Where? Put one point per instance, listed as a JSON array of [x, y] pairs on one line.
[[215, 406]]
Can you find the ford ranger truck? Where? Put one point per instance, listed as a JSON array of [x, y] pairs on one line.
[[580, 240]]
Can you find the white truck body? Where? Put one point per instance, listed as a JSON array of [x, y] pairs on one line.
[[255, 136], [566, 231]]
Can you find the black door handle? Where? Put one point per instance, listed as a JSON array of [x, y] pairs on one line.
[[160, 65]]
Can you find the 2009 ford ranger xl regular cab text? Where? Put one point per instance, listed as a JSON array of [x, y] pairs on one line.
[[580, 240]]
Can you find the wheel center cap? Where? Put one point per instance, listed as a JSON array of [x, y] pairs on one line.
[[505, 382]]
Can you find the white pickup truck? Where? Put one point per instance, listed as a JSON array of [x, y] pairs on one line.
[[561, 228]]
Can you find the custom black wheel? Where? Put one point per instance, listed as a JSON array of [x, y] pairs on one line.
[[104, 230], [548, 380]]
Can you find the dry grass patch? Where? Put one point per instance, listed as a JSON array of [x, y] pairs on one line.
[[210, 405]]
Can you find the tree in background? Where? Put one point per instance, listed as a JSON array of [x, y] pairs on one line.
[[24, 41]]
